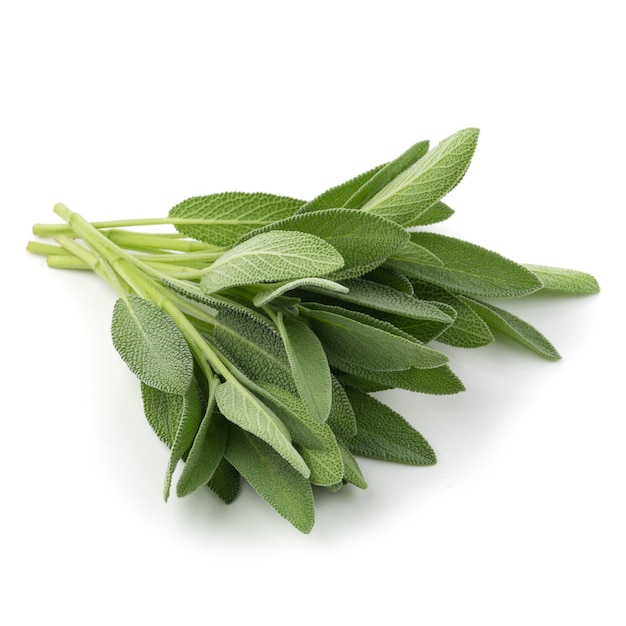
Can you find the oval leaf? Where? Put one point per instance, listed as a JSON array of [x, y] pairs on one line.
[[151, 344], [271, 257]]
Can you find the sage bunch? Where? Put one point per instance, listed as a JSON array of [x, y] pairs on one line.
[[260, 327]]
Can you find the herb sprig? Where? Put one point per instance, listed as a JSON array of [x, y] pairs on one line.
[[261, 326]]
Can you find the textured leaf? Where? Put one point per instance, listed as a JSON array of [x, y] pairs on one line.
[[225, 482], [415, 190], [468, 330], [372, 344], [285, 489], [384, 434], [384, 176], [471, 270], [309, 366], [565, 280], [361, 239], [351, 470], [436, 381], [206, 452], [185, 434], [325, 462], [368, 294], [222, 218], [390, 278], [341, 419], [163, 412], [412, 254], [241, 407], [438, 212], [271, 257], [273, 291], [515, 327], [151, 344], [337, 196]]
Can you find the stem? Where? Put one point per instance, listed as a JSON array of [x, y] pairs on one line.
[[168, 241]]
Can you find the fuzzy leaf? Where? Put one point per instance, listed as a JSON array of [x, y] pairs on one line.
[[271, 257], [206, 452], [415, 190], [337, 196], [471, 270], [412, 254], [349, 336], [273, 291], [225, 482], [468, 329], [351, 470], [277, 482], [438, 212], [241, 407], [341, 418], [390, 278], [222, 218], [387, 174], [163, 412], [185, 434], [361, 239], [151, 344], [565, 280], [515, 327], [384, 434], [309, 365]]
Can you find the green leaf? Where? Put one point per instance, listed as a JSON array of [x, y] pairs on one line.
[[515, 327], [351, 470], [341, 419], [471, 270], [387, 174], [361, 239], [415, 190], [412, 254], [468, 329], [285, 489], [222, 218], [271, 257], [349, 336], [241, 407], [384, 434], [565, 280], [309, 365], [185, 434], [390, 278], [152, 346], [325, 461], [437, 381], [225, 482], [163, 412], [438, 212], [206, 452], [368, 294], [273, 291], [336, 197]]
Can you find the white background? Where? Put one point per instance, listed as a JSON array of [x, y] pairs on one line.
[[122, 109]]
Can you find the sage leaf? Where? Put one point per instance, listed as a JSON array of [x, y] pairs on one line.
[[271, 292], [151, 344], [438, 212], [341, 420], [515, 327], [309, 365], [385, 175], [241, 407], [277, 482], [437, 381], [351, 470], [225, 482], [163, 412], [417, 188], [337, 196], [412, 254], [472, 270], [384, 434], [364, 340], [565, 280], [185, 434], [222, 218], [206, 451], [468, 330], [390, 278], [361, 239], [271, 257]]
